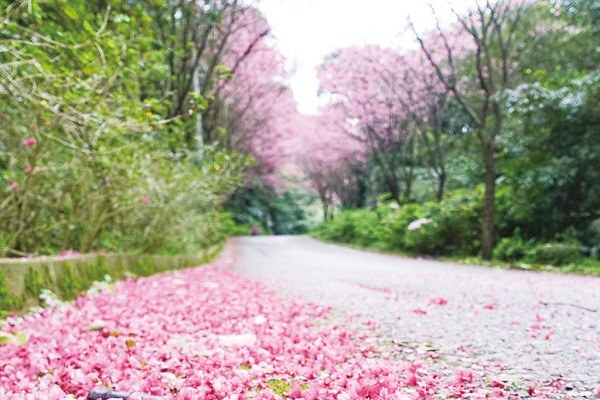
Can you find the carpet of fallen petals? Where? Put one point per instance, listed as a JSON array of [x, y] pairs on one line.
[[207, 333]]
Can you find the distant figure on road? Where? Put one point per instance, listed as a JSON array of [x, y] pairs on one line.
[[255, 231]]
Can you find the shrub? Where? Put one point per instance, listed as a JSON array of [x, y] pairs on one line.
[[396, 221], [557, 253], [361, 227], [511, 249], [594, 238], [454, 226]]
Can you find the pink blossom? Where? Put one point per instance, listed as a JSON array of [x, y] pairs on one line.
[[28, 167], [146, 199], [30, 142], [14, 185], [416, 224]]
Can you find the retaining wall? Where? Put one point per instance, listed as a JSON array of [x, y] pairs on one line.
[[21, 281]]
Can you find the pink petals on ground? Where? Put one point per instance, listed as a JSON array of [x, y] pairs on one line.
[[438, 301], [207, 333], [203, 333]]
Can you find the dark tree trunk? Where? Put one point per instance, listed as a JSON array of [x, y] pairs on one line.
[[488, 222], [441, 186]]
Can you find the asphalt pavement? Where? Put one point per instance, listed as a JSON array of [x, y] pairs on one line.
[[529, 325]]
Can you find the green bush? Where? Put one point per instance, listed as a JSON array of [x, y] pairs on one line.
[[557, 253], [395, 223], [229, 227], [360, 227], [511, 249], [454, 227], [594, 238]]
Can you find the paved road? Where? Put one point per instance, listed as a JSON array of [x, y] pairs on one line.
[[537, 326]]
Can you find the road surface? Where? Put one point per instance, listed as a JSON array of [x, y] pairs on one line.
[[533, 326]]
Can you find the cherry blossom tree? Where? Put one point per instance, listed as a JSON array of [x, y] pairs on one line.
[[253, 110], [362, 82], [330, 159]]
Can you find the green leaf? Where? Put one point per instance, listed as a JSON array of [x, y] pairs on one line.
[[221, 131], [88, 27], [6, 338], [18, 338], [71, 13]]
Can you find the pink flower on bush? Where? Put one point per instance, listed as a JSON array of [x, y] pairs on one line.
[[28, 168], [146, 199], [416, 224], [14, 185], [255, 230], [30, 142]]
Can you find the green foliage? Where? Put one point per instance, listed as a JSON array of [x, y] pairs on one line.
[[511, 249], [285, 213], [33, 283], [454, 227], [111, 168], [395, 222], [557, 253], [144, 267], [66, 283], [360, 227], [230, 228], [278, 386]]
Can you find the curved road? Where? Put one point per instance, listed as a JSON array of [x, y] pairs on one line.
[[531, 326]]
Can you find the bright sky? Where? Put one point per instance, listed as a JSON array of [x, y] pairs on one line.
[[308, 30]]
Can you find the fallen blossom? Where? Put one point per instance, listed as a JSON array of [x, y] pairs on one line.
[[246, 339], [439, 301], [207, 333]]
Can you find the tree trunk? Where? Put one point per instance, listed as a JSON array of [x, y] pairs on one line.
[[488, 222], [392, 185], [441, 186], [199, 133]]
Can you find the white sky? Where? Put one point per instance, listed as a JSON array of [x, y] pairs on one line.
[[308, 30]]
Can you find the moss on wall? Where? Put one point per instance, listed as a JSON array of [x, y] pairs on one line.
[[21, 281]]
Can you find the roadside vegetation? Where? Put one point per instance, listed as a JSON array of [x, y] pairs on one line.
[[450, 230], [480, 145]]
